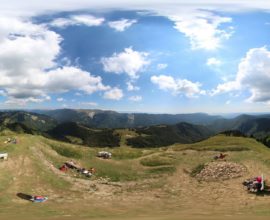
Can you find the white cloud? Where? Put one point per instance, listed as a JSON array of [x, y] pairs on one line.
[[72, 78], [89, 103], [60, 99], [253, 75], [131, 87], [14, 102], [27, 64], [121, 25], [130, 62], [178, 86], [19, 7], [162, 66], [226, 87], [202, 28], [228, 102], [114, 94], [87, 20], [213, 62], [135, 98]]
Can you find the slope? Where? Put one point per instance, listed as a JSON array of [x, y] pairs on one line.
[[154, 183], [76, 133], [164, 135], [33, 121]]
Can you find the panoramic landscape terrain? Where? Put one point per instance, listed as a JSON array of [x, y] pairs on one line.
[[146, 109], [156, 171]]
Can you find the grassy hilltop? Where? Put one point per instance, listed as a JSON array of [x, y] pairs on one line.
[[135, 182]]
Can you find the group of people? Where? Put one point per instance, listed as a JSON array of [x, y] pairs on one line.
[[255, 184], [86, 172], [73, 165]]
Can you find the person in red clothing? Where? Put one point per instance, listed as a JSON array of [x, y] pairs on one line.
[[221, 156], [258, 183]]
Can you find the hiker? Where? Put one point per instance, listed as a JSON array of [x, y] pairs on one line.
[[63, 168], [258, 183], [255, 184], [92, 170], [221, 156]]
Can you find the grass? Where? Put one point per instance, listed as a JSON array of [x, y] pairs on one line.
[[162, 170], [123, 153], [115, 172], [127, 164], [197, 170], [219, 143], [74, 140], [153, 161], [5, 179], [67, 151]]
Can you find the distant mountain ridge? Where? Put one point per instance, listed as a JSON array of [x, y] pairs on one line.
[[33, 121], [247, 124], [111, 119], [98, 127]]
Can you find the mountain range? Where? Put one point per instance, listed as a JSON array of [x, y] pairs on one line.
[[101, 128], [111, 119]]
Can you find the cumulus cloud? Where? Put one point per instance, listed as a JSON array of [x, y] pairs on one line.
[[213, 62], [87, 20], [135, 98], [114, 94], [121, 25], [15, 102], [28, 71], [129, 61], [253, 75], [178, 86], [72, 78], [131, 87], [202, 28]]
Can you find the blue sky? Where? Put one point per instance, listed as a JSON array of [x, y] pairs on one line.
[[159, 58]]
